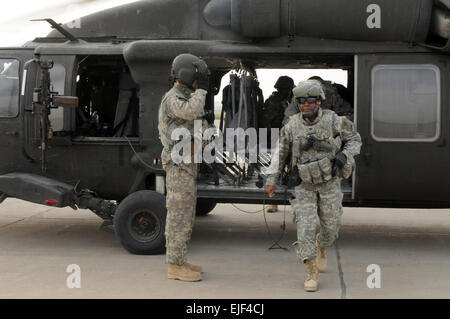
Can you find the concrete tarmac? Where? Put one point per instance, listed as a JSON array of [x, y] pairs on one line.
[[409, 248]]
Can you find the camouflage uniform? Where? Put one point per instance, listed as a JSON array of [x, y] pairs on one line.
[[322, 198], [292, 109], [179, 108], [334, 101], [274, 108]]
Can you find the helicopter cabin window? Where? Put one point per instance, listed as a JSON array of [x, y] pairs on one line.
[[9, 87], [406, 103], [108, 98], [57, 78]]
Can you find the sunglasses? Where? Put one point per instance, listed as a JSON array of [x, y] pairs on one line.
[[310, 100]]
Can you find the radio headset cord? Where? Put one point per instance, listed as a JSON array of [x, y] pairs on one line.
[[276, 242], [137, 155]]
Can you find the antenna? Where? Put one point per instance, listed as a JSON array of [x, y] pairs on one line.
[[58, 26]]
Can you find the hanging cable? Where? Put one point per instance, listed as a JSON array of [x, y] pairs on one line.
[[276, 242]]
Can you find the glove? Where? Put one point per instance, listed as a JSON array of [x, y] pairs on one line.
[[202, 75], [340, 160], [294, 177], [203, 81]]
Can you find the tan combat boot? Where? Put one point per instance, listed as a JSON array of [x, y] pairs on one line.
[[272, 208], [193, 267], [321, 258], [182, 272], [312, 275]]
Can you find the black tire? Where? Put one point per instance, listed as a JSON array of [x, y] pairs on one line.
[[204, 206], [140, 221]]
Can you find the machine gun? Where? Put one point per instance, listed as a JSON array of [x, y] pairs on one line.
[[43, 100]]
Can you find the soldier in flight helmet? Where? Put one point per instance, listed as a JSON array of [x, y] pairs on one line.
[[179, 108]]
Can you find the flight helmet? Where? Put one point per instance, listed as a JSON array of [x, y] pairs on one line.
[[186, 68]]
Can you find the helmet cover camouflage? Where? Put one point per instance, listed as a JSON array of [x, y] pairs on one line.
[[309, 88]]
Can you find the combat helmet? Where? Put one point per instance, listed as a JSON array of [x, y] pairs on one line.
[[187, 67], [284, 82], [309, 88]]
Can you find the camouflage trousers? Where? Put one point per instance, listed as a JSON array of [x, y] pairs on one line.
[[323, 201], [181, 199]]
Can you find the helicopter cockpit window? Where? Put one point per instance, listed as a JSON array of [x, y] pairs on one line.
[[108, 98], [9, 87], [58, 78], [406, 103]]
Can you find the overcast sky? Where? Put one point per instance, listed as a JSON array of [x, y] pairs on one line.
[[16, 29]]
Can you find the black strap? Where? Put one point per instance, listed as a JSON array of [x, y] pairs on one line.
[[133, 101]]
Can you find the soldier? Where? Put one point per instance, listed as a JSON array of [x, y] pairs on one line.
[[277, 103], [334, 100], [183, 104], [323, 146], [274, 109]]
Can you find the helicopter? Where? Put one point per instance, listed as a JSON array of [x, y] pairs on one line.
[[78, 108]]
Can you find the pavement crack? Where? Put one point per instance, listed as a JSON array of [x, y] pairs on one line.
[[14, 222], [341, 273], [22, 219]]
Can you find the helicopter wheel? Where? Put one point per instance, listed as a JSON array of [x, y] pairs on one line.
[[139, 223], [204, 207]]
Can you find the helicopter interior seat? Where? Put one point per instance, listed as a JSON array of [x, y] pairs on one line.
[[97, 97], [104, 97], [127, 110], [109, 104]]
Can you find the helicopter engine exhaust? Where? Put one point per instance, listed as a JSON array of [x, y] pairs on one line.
[[357, 20]]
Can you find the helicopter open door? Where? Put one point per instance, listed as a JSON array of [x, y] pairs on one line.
[[44, 105], [401, 114], [11, 82]]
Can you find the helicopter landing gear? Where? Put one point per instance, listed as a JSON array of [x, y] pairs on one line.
[[204, 206], [3, 196], [140, 221]]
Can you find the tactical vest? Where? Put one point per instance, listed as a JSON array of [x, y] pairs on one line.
[[315, 164]]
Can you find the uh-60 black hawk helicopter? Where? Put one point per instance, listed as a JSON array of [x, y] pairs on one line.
[[78, 108]]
